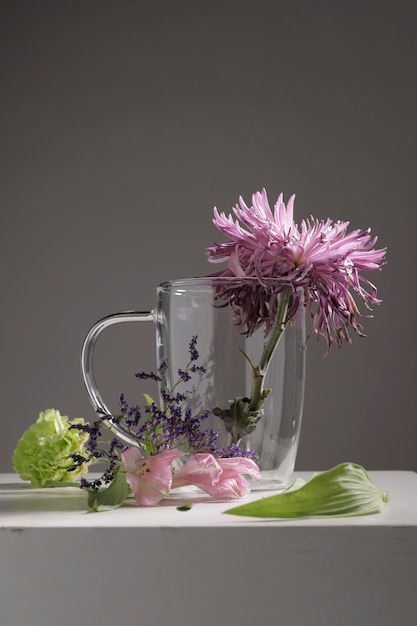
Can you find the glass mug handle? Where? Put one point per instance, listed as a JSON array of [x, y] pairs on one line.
[[87, 365]]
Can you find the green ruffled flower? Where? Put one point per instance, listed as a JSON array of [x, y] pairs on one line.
[[43, 453]]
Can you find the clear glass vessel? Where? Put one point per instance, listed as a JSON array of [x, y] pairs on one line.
[[193, 307]]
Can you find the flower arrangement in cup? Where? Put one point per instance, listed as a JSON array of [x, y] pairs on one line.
[[320, 257], [173, 449]]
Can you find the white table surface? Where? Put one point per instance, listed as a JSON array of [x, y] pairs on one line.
[[60, 565], [22, 506]]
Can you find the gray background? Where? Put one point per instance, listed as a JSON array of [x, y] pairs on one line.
[[124, 123]]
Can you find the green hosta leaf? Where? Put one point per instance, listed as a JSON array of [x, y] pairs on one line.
[[297, 484], [112, 496], [346, 490]]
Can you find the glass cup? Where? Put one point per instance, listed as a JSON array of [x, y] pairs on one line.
[[202, 313]]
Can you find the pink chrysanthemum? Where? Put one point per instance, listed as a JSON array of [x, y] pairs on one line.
[[319, 256]]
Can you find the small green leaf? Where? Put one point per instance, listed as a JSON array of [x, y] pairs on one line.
[[149, 400], [112, 496], [185, 507], [149, 447], [343, 491]]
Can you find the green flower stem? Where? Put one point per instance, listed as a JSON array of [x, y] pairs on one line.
[[243, 414], [279, 327], [258, 396]]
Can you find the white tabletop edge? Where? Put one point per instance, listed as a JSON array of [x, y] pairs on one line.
[[23, 507]]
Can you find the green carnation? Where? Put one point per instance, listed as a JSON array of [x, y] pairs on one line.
[[44, 451]]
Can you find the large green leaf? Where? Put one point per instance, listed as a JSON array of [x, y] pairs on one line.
[[345, 490]]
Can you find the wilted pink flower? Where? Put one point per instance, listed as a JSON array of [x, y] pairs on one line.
[[221, 478], [149, 477], [319, 256]]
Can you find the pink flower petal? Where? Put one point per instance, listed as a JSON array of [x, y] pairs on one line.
[[201, 470], [220, 478], [149, 477], [239, 465]]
